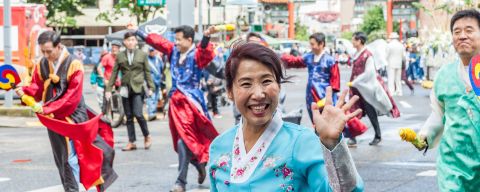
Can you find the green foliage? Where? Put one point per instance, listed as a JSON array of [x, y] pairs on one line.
[[347, 35], [374, 35], [142, 13], [373, 20], [301, 32], [61, 13]]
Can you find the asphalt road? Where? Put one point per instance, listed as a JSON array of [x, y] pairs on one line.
[[26, 162]]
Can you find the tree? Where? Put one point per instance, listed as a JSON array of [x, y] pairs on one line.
[[347, 35], [373, 20], [301, 32], [142, 13], [61, 13]]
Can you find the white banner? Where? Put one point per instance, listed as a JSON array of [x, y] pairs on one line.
[[13, 38]]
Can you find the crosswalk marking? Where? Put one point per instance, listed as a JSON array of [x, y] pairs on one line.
[[416, 164], [429, 173], [3, 179], [405, 104]]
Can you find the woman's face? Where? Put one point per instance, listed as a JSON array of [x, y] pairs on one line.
[[255, 93]]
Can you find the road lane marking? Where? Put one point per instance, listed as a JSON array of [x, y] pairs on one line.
[[410, 164], [405, 105], [3, 179], [173, 165], [429, 173]]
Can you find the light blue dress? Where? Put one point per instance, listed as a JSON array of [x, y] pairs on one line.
[[294, 161]]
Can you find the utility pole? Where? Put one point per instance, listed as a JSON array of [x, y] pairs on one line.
[[200, 16], [7, 46]]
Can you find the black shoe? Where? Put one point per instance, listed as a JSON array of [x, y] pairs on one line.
[[202, 173], [151, 118], [375, 141]]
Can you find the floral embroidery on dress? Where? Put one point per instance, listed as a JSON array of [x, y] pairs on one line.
[[221, 163], [287, 188], [287, 174], [269, 162]]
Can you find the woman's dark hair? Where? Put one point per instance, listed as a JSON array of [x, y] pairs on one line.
[[360, 36], [257, 52], [187, 31], [129, 34], [253, 34], [468, 13], [49, 36], [318, 37]]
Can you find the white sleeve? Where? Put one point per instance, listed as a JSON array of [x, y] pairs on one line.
[[433, 127]]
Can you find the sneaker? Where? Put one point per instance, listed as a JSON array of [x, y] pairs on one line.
[[177, 188]]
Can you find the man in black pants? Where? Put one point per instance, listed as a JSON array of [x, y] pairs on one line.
[[365, 82], [133, 63]]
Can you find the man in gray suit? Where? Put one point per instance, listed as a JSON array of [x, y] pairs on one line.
[[133, 63], [395, 55]]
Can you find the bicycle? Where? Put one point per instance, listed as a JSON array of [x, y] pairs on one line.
[[113, 110]]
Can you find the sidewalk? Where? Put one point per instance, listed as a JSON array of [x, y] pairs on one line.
[[19, 122]]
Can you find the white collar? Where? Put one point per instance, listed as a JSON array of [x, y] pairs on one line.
[[358, 53], [244, 164], [58, 62], [319, 56], [184, 55]]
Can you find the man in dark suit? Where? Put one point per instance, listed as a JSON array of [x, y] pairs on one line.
[[133, 63]]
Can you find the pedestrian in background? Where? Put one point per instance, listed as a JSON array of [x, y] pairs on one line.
[[395, 57], [156, 71], [133, 64]]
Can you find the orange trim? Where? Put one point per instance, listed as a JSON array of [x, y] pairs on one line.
[[74, 67], [99, 181]]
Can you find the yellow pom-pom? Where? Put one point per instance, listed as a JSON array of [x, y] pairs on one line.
[[321, 102], [54, 78], [349, 84], [407, 134], [28, 100], [427, 84]]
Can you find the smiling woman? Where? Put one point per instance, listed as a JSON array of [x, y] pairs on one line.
[[266, 154]]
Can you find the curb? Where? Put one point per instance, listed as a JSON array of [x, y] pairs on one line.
[[16, 111]]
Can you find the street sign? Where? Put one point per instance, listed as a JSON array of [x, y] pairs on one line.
[[151, 2]]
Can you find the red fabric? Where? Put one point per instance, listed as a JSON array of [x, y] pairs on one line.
[[316, 98], [159, 43], [83, 134], [108, 61], [35, 89], [335, 78], [395, 112], [355, 127], [203, 56], [189, 124], [104, 129], [68, 102], [293, 61]]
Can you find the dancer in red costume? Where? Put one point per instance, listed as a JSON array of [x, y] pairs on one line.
[[82, 144], [190, 124]]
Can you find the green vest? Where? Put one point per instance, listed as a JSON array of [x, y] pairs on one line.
[[458, 162]]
